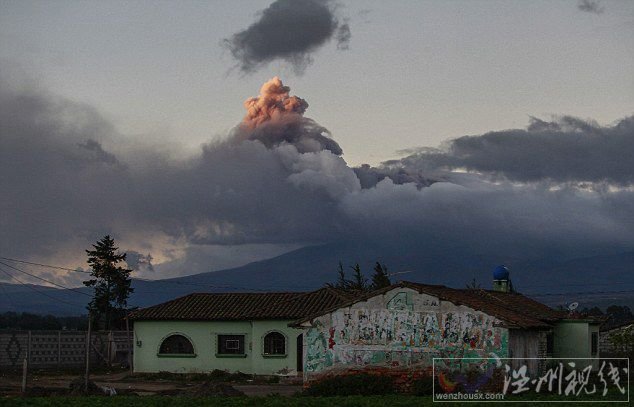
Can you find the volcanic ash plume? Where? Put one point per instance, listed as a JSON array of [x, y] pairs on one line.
[[275, 117], [273, 103]]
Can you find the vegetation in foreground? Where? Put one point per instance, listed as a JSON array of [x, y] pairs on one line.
[[270, 401]]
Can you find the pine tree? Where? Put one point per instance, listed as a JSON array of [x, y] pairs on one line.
[[111, 282], [358, 283], [342, 282], [380, 277]]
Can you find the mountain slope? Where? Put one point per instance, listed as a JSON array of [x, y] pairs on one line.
[[311, 267]]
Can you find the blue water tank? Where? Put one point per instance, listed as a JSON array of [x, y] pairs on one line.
[[501, 273]]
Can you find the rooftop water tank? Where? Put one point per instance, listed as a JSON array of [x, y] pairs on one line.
[[501, 273]]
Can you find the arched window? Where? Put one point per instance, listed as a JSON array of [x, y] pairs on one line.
[[274, 344], [176, 345]]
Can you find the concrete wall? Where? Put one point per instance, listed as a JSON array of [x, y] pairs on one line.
[[60, 349], [609, 349], [148, 336], [400, 330]]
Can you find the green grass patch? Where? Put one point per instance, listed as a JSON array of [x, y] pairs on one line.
[[271, 401]]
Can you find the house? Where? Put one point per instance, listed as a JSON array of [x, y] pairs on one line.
[[246, 332], [399, 330]]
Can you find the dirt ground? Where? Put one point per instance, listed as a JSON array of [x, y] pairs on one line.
[[49, 383]]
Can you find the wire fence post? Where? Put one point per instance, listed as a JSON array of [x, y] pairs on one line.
[[59, 349], [29, 345], [87, 353], [109, 349], [25, 367]]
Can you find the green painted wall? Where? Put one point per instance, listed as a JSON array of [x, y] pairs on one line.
[[573, 339], [263, 364], [148, 336]]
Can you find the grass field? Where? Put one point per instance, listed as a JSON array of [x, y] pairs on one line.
[[271, 401]]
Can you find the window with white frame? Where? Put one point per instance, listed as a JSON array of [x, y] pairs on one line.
[[231, 344]]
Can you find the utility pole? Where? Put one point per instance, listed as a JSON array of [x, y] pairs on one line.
[[127, 332], [87, 353]]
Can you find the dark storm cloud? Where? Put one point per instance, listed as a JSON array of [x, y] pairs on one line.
[[289, 30], [59, 196], [99, 152], [137, 261], [60, 191], [52, 179], [590, 6], [343, 35], [370, 176], [567, 149]]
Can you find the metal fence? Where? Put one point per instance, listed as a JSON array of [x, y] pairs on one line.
[[62, 349]]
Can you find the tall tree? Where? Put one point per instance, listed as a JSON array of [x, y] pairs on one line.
[[619, 313], [380, 277], [358, 283], [110, 281], [342, 282]]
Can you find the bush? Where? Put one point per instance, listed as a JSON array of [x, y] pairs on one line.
[[423, 386], [273, 380], [362, 384]]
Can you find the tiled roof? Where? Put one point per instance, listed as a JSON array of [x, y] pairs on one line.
[[243, 306], [514, 309]]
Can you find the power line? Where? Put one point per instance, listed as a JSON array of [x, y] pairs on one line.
[[36, 290], [185, 283], [45, 280], [45, 265], [577, 284], [581, 293], [227, 287]]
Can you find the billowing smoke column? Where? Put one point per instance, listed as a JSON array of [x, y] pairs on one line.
[[273, 103], [275, 118], [279, 179]]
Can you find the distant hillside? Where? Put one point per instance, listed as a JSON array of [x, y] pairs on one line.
[[38, 299], [310, 267]]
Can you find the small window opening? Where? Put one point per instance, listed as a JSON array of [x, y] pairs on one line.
[[595, 343], [274, 344], [176, 344]]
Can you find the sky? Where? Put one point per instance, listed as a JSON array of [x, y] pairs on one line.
[[128, 118]]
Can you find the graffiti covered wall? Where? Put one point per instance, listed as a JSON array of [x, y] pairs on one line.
[[400, 330]]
